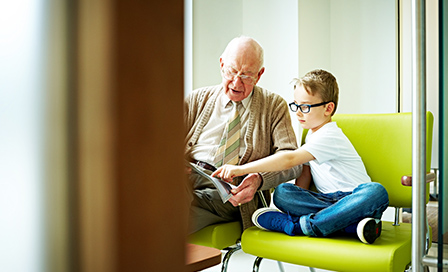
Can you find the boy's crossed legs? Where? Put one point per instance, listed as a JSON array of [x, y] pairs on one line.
[[317, 214]]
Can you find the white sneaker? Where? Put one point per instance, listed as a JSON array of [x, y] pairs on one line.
[[368, 230]]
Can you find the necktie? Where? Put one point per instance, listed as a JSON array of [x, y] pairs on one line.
[[229, 147]]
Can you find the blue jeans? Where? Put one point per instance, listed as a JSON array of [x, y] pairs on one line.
[[323, 214]]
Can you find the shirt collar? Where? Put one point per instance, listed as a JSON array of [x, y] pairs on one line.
[[225, 100]]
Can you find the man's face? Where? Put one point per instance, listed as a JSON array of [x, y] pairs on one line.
[[240, 72]]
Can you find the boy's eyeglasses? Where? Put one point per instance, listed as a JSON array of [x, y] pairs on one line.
[[305, 108], [230, 74]]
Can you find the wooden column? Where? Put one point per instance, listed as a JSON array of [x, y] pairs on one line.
[[131, 202]]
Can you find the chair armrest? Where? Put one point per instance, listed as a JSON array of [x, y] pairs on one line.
[[407, 180]]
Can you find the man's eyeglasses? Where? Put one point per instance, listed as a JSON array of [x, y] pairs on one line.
[[305, 108], [230, 74]]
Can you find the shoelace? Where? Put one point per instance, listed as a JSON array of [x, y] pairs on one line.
[[280, 222], [293, 220]]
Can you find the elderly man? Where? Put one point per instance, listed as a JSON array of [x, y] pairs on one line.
[[260, 125]]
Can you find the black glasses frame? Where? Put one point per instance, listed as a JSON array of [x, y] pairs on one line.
[[294, 107]]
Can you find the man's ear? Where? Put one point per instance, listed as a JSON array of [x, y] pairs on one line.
[[259, 75], [261, 72]]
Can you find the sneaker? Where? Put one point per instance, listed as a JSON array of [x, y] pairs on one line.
[[368, 230], [274, 220]]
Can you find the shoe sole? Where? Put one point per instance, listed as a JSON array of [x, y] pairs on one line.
[[365, 228], [259, 212]]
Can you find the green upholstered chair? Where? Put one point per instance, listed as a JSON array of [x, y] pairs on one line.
[[221, 236], [218, 236], [384, 142]]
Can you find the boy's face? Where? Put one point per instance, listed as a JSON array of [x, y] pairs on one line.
[[317, 116]]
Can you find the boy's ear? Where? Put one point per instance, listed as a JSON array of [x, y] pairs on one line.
[[329, 108]]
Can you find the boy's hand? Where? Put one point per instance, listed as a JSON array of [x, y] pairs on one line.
[[227, 172]]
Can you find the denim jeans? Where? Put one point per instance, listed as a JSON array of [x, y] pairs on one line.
[[323, 214]]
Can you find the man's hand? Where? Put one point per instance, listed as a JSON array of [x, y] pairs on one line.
[[246, 190]]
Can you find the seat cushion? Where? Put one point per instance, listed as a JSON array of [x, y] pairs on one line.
[[218, 236], [390, 252]]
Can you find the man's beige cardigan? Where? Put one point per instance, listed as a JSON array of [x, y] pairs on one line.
[[269, 130]]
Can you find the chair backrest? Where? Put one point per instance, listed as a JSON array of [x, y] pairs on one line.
[[384, 143]]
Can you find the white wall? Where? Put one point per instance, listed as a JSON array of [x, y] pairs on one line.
[[21, 136], [356, 41], [215, 23], [314, 31], [276, 28]]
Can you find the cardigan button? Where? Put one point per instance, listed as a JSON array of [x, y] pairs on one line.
[[190, 144]]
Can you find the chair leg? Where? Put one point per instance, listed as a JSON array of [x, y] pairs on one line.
[[257, 264], [280, 266], [409, 269], [312, 269], [428, 237], [229, 253]]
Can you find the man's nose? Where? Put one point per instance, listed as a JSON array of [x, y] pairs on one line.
[[237, 80]]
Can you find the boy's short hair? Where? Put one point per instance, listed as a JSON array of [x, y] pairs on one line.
[[322, 83]]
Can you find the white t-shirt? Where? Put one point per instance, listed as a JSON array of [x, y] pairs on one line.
[[337, 166]]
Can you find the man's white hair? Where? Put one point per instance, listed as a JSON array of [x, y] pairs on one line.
[[248, 40]]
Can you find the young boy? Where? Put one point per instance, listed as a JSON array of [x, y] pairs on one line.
[[347, 201]]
